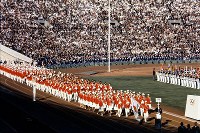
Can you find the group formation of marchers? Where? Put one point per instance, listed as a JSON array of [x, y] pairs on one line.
[[187, 77], [96, 96]]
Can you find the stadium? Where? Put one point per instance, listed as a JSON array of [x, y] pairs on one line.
[[100, 66]]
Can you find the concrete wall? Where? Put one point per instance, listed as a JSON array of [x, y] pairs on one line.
[[11, 55]]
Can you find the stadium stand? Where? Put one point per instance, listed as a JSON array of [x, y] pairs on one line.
[[51, 32]]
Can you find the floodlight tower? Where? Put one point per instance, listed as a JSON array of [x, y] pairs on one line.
[[108, 35]]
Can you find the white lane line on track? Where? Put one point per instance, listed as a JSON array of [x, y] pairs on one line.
[[172, 120], [181, 117], [178, 116]]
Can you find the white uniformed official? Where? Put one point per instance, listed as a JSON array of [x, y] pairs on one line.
[[198, 83]]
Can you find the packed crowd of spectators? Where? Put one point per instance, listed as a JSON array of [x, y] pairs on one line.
[[58, 32]]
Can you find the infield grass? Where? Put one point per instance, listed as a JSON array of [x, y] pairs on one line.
[[172, 95]]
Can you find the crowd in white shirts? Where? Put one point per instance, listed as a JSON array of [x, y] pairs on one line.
[[91, 95], [64, 31], [187, 77]]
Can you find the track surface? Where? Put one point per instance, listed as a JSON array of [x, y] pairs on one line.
[[123, 70], [50, 114]]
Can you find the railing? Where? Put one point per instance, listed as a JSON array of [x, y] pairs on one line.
[[105, 63]]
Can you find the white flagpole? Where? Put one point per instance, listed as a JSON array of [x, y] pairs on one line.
[[108, 35], [34, 94], [34, 89]]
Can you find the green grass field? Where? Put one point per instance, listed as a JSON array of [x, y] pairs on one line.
[[172, 95]]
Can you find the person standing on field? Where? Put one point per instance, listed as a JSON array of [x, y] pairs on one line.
[[154, 74]]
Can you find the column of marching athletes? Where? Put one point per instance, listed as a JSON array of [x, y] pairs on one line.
[[95, 96]]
